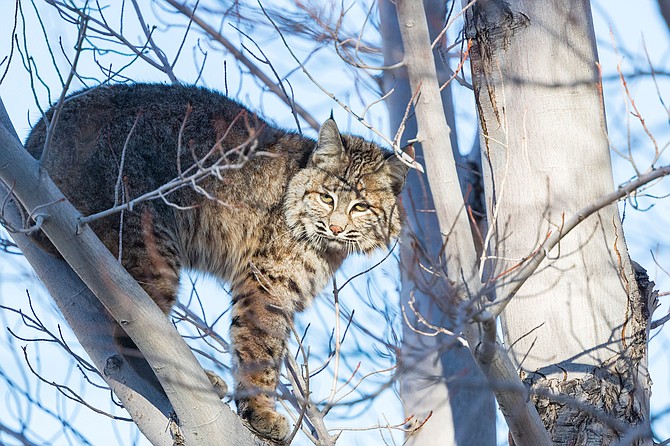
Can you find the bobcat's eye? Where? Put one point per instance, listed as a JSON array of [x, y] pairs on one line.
[[327, 198], [361, 207]]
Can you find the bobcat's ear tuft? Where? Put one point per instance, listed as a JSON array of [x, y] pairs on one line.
[[329, 151], [397, 169]]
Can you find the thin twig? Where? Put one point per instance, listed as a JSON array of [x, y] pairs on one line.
[[404, 157], [61, 101], [336, 366], [167, 66], [237, 54]]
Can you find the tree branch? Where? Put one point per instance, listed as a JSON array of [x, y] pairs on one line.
[[91, 324], [202, 417], [434, 135]]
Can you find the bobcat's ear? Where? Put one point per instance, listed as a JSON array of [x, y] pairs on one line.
[[329, 151], [397, 169]]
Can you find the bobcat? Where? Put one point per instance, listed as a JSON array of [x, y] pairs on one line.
[[275, 221]]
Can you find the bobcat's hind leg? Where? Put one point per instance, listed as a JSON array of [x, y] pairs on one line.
[[161, 284], [259, 332], [155, 268], [219, 384], [151, 257], [147, 257]]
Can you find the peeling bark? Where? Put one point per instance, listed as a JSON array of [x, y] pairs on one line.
[[611, 404]]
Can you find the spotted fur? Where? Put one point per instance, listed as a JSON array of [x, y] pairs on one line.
[[274, 224]]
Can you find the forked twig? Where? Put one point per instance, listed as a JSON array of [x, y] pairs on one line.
[[237, 54]]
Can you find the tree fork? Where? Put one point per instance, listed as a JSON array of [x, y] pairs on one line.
[[460, 252]]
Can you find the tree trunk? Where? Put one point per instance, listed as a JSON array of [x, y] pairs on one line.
[[577, 328], [439, 377]]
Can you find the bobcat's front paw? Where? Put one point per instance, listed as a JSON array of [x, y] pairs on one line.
[[270, 424], [265, 421]]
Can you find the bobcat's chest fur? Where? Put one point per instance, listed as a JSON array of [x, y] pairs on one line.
[[258, 243]]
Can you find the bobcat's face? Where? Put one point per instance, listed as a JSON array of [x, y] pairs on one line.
[[351, 219], [346, 197]]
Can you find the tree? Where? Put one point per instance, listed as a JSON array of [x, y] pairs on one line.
[[462, 409], [551, 236], [524, 115], [506, 40]]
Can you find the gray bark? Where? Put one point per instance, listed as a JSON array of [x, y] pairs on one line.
[[459, 249], [88, 319], [439, 376], [202, 417], [577, 328]]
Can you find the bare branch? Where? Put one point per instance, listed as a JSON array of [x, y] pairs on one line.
[[167, 66], [61, 101], [237, 54], [406, 158], [246, 150]]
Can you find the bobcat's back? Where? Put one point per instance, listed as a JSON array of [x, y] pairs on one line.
[[114, 144]]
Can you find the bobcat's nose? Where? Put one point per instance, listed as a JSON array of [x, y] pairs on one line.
[[335, 229]]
